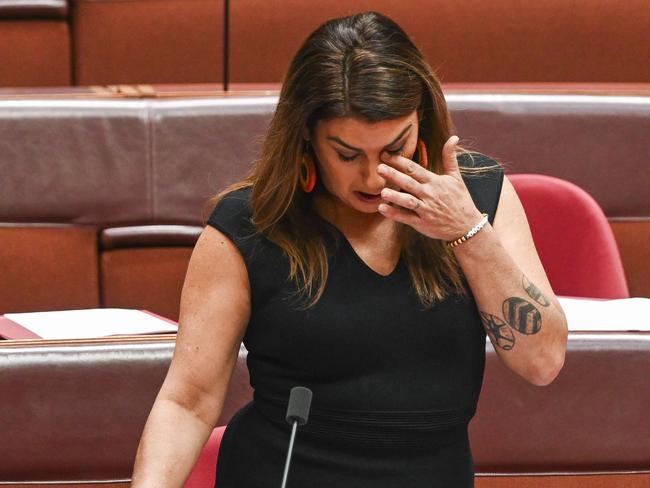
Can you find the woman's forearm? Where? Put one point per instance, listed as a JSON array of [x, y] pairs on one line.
[[527, 328], [171, 442]]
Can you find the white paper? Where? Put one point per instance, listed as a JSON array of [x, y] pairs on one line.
[[92, 322], [624, 314]]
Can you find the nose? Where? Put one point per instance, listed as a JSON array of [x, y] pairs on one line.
[[373, 181]]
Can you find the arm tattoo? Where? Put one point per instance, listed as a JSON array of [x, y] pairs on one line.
[[522, 315], [499, 333], [534, 292]]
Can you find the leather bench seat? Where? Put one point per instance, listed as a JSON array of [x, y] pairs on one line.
[[53, 433], [134, 163], [128, 164], [591, 419], [75, 161], [199, 145], [136, 174]]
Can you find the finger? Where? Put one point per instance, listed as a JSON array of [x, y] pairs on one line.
[[449, 160], [408, 167], [404, 200], [398, 215], [400, 180]]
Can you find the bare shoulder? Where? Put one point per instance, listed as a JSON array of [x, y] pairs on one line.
[[216, 278]]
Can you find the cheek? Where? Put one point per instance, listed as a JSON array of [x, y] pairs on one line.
[[335, 174]]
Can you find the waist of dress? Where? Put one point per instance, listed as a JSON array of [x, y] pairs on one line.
[[379, 428]]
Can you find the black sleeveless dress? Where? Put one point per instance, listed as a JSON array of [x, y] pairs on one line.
[[394, 386]]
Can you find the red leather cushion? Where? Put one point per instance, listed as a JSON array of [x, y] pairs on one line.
[[573, 237]]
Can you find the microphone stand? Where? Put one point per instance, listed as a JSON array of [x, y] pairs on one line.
[[286, 464], [297, 414]]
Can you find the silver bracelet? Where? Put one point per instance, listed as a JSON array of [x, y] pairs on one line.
[[471, 232]]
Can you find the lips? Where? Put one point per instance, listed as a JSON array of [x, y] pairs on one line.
[[368, 197]]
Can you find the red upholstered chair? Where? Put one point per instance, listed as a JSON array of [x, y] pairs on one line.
[[573, 237], [203, 474]]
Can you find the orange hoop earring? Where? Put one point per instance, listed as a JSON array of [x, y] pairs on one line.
[[423, 160], [307, 173]]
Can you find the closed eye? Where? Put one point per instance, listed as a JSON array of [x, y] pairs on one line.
[[396, 151], [346, 158], [352, 158]]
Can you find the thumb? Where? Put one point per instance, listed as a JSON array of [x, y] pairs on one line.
[[449, 161]]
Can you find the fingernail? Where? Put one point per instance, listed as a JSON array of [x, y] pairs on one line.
[[381, 168]]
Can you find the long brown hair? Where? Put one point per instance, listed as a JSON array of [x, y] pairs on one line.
[[364, 66]]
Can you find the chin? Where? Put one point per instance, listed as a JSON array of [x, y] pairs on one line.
[[368, 209]]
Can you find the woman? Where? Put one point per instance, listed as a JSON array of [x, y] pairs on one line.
[[366, 256]]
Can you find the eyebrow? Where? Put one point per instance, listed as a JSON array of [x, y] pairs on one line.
[[342, 143]]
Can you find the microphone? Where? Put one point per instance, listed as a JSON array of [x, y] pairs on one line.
[[297, 414]]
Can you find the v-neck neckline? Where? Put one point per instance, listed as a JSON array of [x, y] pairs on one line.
[[359, 259]]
